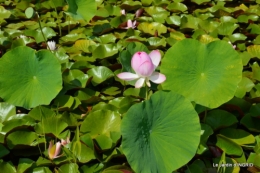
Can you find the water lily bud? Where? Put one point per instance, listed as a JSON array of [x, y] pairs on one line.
[[52, 45], [142, 64], [54, 150]]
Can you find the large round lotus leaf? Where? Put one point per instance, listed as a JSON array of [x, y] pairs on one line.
[[160, 134], [29, 78], [205, 73]]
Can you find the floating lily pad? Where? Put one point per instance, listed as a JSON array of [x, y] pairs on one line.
[[205, 73], [29, 78], [159, 132]]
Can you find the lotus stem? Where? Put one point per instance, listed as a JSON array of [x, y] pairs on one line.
[[41, 30]]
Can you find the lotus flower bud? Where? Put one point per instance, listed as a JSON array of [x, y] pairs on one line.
[[142, 64]]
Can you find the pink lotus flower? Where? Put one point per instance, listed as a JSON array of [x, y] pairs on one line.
[[54, 150], [144, 66]]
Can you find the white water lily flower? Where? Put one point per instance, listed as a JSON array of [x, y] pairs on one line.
[[51, 45], [21, 36], [144, 66], [122, 11]]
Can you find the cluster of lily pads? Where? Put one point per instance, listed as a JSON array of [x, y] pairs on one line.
[[144, 86]]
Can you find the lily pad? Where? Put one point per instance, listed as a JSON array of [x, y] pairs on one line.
[[201, 72], [159, 132], [29, 78]]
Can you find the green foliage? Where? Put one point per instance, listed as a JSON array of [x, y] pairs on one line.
[[71, 93]]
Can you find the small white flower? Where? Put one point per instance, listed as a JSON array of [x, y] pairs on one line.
[[123, 11], [21, 36], [51, 45]]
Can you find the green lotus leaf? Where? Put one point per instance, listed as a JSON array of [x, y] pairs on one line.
[[245, 56], [228, 145], [174, 20], [6, 110], [177, 7], [63, 102], [82, 152], [159, 132], [40, 112], [3, 151], [61, 55], [84, 45], [105, 50], [74, 79], [68, 168], [208, 25], [77, 9], [159, 14], [137, 92], [87, 95], [200, 1], [92, 167], [255, 110], [102, 28], [16, 121], [7, 167], [156, 42], [21, 137], [54, 125], [41, 170], [238, 136], [100, 74], [104, 142], [123, 103], [228, 161], [107, 38], [101, 122], [118, 20], [38, 73], [104, 106], [254, 50], [237, 37], [197, 166], [152, 28], [257, 40], [4, 13], [227, 28], [37, 34], [111, 91], [206, 131], [24, 164], [255, 29], [189, 22], [71, 38], [245, 85], [131, 5], [251, 123], [29, 12], [219, 119], [201, 72]]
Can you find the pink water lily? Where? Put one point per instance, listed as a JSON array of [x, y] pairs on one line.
[[144, 66], [130, 24], [54, 150], [65, 142]]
